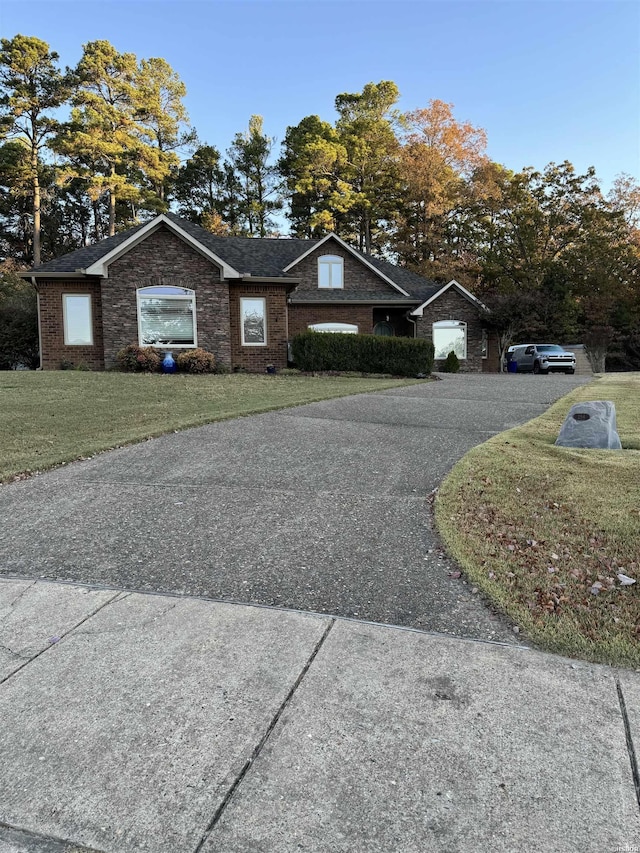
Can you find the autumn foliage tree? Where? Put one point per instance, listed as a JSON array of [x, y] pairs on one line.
[[437, 159]]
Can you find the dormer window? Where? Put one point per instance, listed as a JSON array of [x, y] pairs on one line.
[[330, 272]]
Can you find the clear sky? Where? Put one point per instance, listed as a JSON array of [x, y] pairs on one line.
[[549, 80]]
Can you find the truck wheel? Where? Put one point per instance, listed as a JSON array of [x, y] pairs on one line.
[[537, 369]]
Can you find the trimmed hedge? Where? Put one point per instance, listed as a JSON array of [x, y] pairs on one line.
[[364, 353]]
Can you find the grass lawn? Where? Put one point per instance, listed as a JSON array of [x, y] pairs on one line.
[[47, 418], [545, 530]]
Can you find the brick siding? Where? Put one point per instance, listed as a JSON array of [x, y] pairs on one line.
[[491, 364], [303, 316], [55, 353], [453, 306], [164, 259], [257, 358]]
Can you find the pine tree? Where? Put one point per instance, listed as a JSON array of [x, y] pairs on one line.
[[31, 86], [257, 180]]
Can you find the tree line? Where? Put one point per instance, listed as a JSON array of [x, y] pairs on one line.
[[90, 150]]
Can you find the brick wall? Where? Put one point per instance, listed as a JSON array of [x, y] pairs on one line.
[[54, 351], [452, 306], [275, 352], [357, 277], [302, 316], [164, 259]]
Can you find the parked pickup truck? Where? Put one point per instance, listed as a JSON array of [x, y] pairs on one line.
[[542, 358]]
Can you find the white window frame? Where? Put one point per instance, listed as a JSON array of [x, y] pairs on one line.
[[87, 297], [332, 263], [262, 299], [343, 328], [450, 324], [163, 292]]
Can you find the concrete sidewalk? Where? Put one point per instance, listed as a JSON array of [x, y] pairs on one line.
[[135, 722]]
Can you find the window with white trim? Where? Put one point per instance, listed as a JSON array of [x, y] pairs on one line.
[[330, 272], [345, 328], [450, 335], [253, 321], [167, 317], [76, 313]]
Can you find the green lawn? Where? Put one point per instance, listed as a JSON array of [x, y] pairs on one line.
[[47, 418], [544, 530]]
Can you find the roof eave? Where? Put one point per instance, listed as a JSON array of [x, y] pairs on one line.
[[36, 273], [289, 281], [402, 303]]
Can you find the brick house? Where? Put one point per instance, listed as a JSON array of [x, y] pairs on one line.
[[172, 284]]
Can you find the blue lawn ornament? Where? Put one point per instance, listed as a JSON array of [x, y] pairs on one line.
[[168, 363]]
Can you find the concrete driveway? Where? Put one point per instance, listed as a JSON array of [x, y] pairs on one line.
[[318, 508]]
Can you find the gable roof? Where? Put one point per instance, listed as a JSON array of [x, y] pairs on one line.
[[418, 312], [101, 266], [265, 257], [361, 257]]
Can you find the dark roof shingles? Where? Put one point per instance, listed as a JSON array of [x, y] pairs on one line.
[[258, 257]]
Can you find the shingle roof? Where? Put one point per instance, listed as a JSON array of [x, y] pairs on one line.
[[87, 255], [264, 256], [267, 256]]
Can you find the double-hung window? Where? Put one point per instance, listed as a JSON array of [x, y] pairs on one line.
[[330, 272], [167, 317]]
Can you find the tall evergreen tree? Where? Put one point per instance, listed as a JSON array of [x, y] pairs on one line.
[[258, 182], [370, 176], [103, 141], [199, 185], [31, 86], [162, 119], [312, 162]]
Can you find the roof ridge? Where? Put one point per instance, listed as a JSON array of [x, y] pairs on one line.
[[257, 256]]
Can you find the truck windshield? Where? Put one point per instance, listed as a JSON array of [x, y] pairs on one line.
[[550, 348]]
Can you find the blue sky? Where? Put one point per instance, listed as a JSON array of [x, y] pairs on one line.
[[548, 80]]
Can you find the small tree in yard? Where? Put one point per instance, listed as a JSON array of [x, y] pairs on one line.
[[451, 364]]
